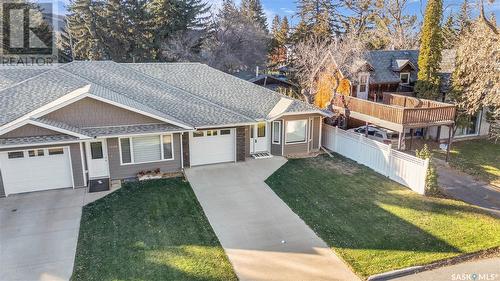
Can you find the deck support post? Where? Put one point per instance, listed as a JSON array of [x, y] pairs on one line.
[[448, 147], [411, 138], [401, 141]]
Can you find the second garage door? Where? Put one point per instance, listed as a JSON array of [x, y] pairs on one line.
[[212, 146], [35, 169]]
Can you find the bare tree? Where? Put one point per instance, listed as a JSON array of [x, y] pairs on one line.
[[341, 59], [476, 80], [395, 29], [184, 47]]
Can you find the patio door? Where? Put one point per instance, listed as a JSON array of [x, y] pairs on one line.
[[362, 92], [258, 138], [97, 157]]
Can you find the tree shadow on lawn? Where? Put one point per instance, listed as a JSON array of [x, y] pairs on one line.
[[154, 230], [371, 219]]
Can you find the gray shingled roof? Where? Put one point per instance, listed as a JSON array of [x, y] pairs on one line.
[[60, 125], [12, 75], [130, 130], [37, 140], [190, 94], [385, 65]]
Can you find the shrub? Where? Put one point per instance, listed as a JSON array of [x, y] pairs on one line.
[[431, 184]]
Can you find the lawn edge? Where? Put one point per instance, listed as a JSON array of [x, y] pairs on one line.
[[487, 253]]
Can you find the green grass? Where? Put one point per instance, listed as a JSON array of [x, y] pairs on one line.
[[375, 224], [149, 231], [478, 158]]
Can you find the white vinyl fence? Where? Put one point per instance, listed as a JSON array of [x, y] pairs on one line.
[[405, 169]]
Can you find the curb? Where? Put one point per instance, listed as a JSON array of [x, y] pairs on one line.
[[442, 263]]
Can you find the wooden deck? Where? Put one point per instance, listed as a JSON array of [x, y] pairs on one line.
[[397, 112]]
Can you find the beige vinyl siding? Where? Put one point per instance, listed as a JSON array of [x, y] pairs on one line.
[[301, 148], [29, 130], [76, 160], [316, 133], [89, 112], [119, 171]]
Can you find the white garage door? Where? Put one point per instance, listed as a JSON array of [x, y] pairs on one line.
[[212, 146], [35, 169]]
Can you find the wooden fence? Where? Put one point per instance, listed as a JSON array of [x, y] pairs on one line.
[[405, 169]]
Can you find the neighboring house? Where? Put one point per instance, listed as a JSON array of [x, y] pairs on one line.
[[395, 71], [86, 123], [276, 83]]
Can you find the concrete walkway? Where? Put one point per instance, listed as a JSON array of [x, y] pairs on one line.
[[487, 269], [263, 238], [463, 187]]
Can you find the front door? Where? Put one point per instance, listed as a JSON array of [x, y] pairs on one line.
[[258, 138], [363, 86], [97, 155]]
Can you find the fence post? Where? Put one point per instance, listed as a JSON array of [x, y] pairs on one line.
[[335, 139], [389, 164]]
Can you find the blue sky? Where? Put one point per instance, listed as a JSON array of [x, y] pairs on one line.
[[288, 7]]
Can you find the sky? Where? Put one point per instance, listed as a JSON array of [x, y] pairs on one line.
[[288, 7]]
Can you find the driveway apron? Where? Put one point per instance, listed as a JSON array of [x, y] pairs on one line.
[[263, 238], [38, 234]]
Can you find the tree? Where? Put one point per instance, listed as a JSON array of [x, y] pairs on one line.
[[476, 79], [394, 28], [360, 18], [450, 32], [253, 11], [317, 17], [323, 68], [280, 39], [235, 43], [464, 19], [431, 46]]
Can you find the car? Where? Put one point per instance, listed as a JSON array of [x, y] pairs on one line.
[[378, 134]]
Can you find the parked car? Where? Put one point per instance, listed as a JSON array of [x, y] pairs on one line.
[[379, 134]]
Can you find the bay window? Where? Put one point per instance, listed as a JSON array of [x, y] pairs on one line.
[[146, 149], [296, 131]]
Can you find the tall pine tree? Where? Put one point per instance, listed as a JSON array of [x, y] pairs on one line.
[[430, 51], [317, 16], [253, 10]]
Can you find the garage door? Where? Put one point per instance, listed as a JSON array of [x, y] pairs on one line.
[[35, 169], [212, 146]]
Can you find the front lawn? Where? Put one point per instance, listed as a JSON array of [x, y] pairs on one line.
[[478, 158], [149, 231], [375, 224]]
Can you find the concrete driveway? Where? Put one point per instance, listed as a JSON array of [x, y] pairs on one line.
[[263, 238], [38, 234]]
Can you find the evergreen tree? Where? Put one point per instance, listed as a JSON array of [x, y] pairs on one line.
[[316, 16], [301, 32], [281, 36], [276, 24], [450, 32], [464, 19], [253, 10], [283, 33], [430, 51]]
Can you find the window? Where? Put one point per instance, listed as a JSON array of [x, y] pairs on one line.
[[212, 133], [225, 132], [198, 134], [276, 132], [126, 151], [261, 130], [363, 83], [405, 78], [35, 153], [96, 150], [168, 147], [15, 154], [56, 151], [145, 149], [296, 131]]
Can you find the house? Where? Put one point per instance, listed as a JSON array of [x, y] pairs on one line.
[[89, 123], [395, 72], [277, 83]]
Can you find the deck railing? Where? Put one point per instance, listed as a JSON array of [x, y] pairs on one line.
[[424, 113]]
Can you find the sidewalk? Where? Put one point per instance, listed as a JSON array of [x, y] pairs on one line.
[[463, 187], [486, 269]]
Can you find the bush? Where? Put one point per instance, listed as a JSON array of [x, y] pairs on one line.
[[431, 184]]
